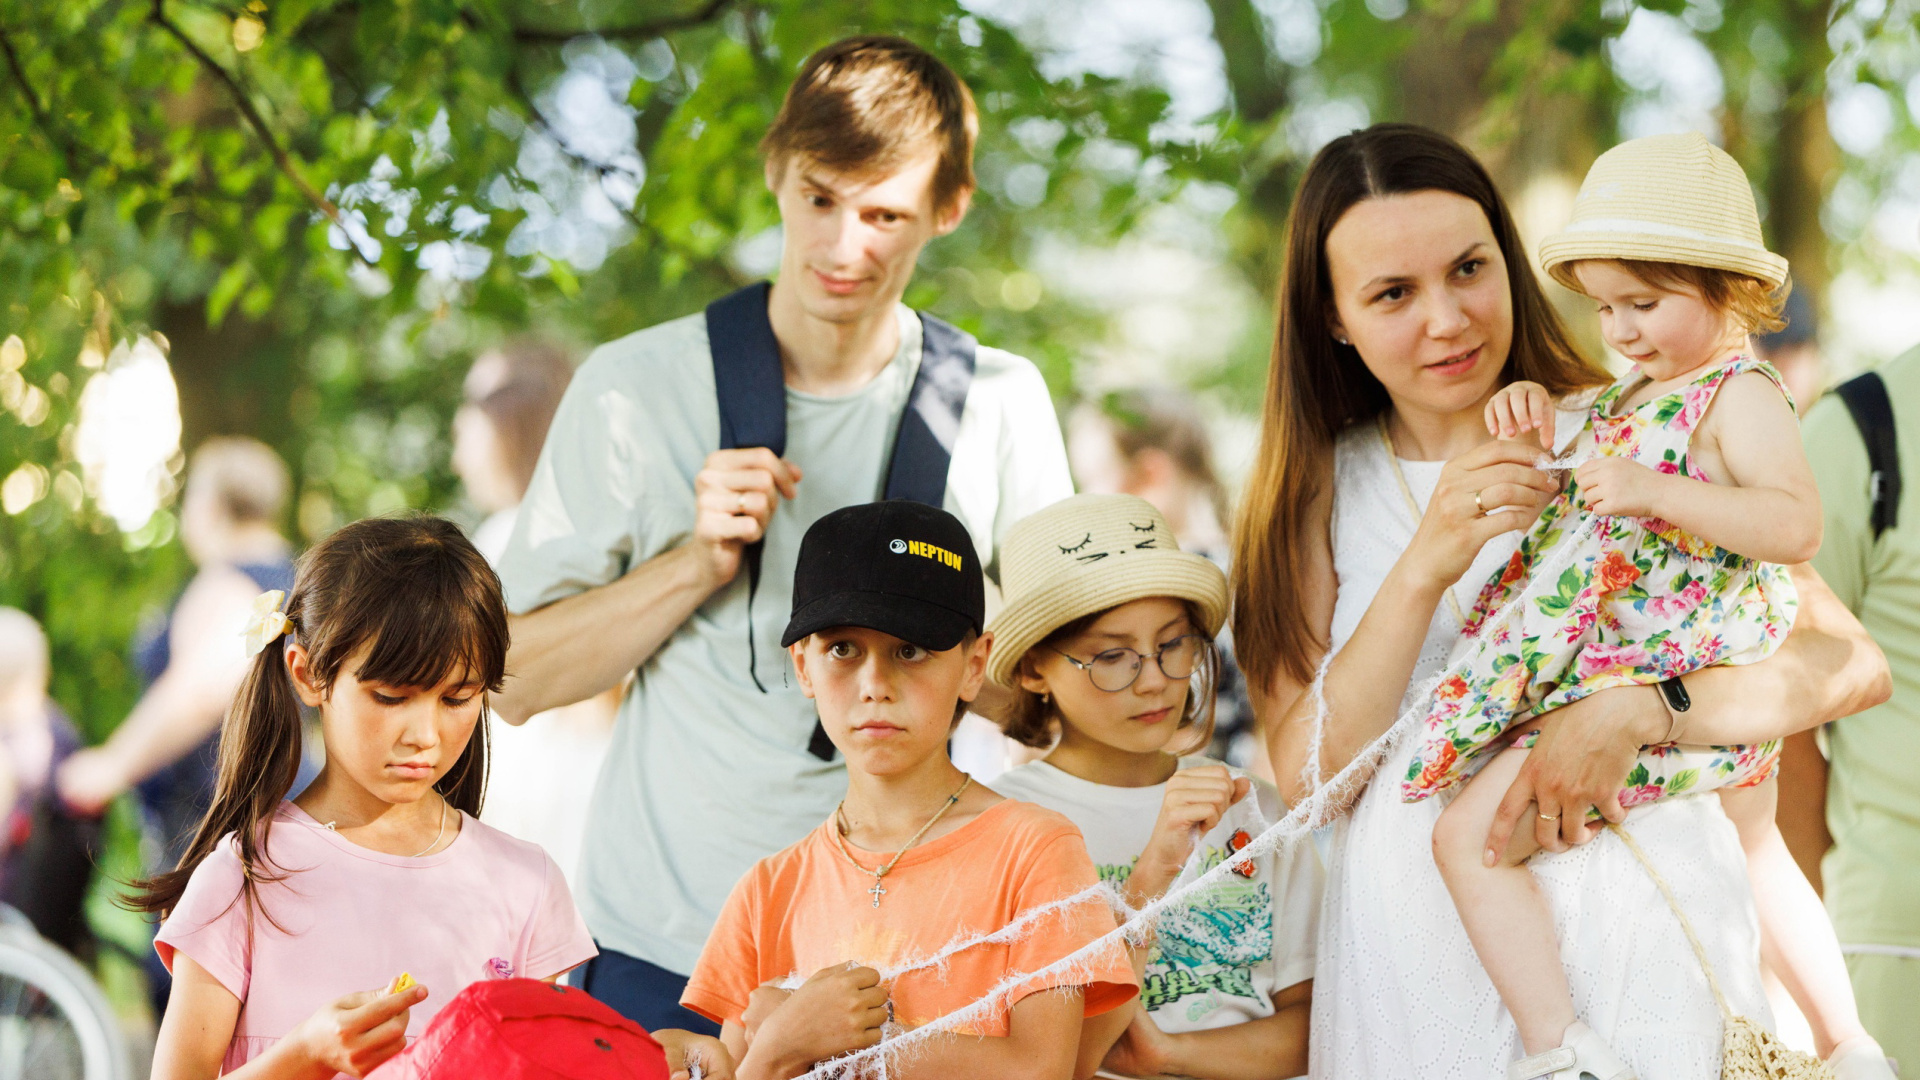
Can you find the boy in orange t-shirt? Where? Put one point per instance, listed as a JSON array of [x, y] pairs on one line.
[[886, 638]]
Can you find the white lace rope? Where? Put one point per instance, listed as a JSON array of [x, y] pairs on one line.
[[1324, 802]]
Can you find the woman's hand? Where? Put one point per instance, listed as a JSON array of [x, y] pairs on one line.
[[355, 1034], [685, 1050], [1489, 490], [1195, 801], [1581, 761]]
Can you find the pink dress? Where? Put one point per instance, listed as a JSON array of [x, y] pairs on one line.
[[350, 919]]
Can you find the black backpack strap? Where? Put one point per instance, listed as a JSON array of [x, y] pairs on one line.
[[1872, 411], [923, 447], [752, 392]]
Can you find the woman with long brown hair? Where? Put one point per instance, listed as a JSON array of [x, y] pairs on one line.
[[1406, 303]]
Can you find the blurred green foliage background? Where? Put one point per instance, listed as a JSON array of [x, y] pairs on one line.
[[325, 208]]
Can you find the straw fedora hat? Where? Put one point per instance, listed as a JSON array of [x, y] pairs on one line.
[[1665, 198], [1084, 555]]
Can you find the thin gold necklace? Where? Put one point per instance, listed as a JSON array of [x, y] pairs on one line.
[[840, 831], [1413, 506]]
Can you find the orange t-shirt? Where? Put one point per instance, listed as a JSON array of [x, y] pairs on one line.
[[806, 908]]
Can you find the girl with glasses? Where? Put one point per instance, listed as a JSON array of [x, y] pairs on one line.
[[1106, 642]]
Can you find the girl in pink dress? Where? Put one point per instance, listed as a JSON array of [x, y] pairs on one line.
[[290, 922]]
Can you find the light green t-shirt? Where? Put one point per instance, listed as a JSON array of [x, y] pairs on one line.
[[706, 774], [1872, 875]]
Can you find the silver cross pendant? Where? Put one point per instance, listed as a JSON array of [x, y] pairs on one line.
[[877, 891]]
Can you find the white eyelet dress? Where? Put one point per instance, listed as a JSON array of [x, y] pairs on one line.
[[1398, 991]]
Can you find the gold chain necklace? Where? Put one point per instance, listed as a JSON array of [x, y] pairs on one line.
[[840, 831], [1413, 506]]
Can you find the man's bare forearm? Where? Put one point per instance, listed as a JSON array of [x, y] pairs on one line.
[[575, 648]]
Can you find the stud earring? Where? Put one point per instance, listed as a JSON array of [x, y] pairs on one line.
[[1341, 340]]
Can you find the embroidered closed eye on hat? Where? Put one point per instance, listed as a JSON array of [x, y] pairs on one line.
[[1665, 198], [1084, 555], [900, 567]]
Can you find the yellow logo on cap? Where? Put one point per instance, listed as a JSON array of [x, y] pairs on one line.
[[926, 551]]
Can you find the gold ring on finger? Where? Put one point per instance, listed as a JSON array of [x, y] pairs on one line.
[[740, 503], [1549, 817], [1477, 504]]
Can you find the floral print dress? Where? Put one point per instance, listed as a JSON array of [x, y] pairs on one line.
[[1640, 601]]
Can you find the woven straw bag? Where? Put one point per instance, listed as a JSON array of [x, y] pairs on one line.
[[1747, 1050]]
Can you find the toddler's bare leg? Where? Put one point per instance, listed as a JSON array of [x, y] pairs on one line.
[[1796, 937], [1505, 914]]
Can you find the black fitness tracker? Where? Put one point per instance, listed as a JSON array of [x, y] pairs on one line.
[[1675, 694]]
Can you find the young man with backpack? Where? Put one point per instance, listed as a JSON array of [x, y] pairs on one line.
[[1864, 445], [687, 460]]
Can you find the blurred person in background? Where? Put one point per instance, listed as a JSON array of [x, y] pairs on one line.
[[45, 850], [1153, 443], [191, 659], [540, 773], [1794, 351], [1871, 557]]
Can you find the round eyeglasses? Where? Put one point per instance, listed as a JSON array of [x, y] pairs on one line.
[[1116, 669]]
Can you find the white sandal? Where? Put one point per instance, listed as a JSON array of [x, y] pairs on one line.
[[1581, 1055]]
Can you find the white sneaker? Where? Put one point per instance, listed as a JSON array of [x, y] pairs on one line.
[[1581, 1055], [1860, 1058]]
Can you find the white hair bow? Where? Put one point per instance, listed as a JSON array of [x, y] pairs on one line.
[[267, 623]]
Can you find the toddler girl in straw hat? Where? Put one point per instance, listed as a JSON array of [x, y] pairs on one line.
[[1665, 553], [1106, 640]]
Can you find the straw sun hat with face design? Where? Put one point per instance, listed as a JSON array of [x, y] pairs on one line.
[[1084, 555], [1665, 198]]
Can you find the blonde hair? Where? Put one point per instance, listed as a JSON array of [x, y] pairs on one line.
[[23, 649], [246, 476]]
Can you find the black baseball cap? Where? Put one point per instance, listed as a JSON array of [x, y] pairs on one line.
[[900, 567]]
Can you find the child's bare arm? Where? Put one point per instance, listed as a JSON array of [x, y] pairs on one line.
[[1270, 1048], [353, 1035], [1771, 510], [840, 1008], [1043, 1034], [198, 1026]]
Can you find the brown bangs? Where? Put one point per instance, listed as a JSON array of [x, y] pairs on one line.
[[1754, 304], [427, 607], [420, 640]]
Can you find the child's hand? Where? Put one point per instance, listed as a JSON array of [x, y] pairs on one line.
[[686, 1050], [1518, 408], [1142, 1050], [760, 1005], [1619, 487], [358, 1032], [841, 1008], [1196, 800]]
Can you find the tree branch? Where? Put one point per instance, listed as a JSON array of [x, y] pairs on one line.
[[40, 117], [282, 159], [706, 13]]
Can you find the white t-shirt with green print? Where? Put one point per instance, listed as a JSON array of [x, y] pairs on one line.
[[1219, 961]]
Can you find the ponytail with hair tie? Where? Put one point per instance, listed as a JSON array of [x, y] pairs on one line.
[[268, 623]]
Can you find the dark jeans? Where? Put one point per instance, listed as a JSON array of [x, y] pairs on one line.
[[647, 994]]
